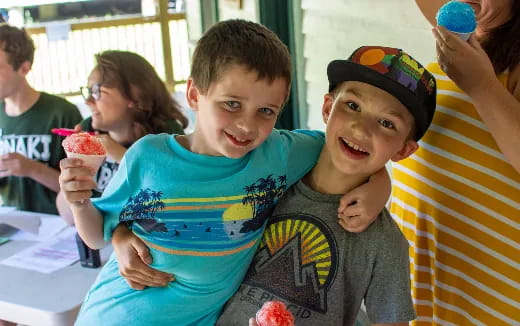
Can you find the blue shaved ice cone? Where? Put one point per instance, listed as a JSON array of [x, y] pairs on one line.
[[457, 17]]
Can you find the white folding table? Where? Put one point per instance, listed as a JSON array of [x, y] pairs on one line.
[[32, 298]]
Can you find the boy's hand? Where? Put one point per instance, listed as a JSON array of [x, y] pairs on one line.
[[360, 207], [133, 258], [252, 322], [76, 181]]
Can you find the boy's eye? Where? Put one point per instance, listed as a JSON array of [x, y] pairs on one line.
[[267, 111], [353, 106], [233, 105], [387, 123]]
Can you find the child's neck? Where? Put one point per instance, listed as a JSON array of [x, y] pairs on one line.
[[326, 179]]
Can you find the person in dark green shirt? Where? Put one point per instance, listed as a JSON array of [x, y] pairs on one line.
[[29, 153], [128, 101]]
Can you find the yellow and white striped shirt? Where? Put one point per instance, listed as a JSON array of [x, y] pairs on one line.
[[457, 200]]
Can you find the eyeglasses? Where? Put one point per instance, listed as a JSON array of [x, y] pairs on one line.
[[93, 92]]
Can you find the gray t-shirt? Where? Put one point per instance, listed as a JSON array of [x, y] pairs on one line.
[[322, 272]]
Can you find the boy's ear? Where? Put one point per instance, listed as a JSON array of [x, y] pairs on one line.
[[409, 147], [192, 94], [24, 68], [326, 108]]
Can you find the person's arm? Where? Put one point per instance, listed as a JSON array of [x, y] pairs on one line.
[[133, 258], [469, 67], [114, 150], [64, 209], [15, 164], [360, 207], [429, 9], [76, 185]]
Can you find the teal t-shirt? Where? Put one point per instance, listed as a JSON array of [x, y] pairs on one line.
[[110, 166], [30, 135], [202, 217]]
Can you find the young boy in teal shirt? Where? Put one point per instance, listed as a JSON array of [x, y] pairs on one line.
[[199, 201]]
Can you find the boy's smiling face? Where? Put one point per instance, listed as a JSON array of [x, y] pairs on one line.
[[366, 127], [237, 113]]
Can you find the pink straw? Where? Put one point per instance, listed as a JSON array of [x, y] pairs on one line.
[[67, 132]]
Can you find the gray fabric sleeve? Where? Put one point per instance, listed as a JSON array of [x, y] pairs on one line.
[[388, 298]]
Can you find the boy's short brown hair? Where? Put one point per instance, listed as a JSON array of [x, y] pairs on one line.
[[17, 44], [239, 42]]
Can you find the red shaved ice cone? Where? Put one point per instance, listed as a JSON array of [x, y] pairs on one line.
[[86, 147], [274, 313]]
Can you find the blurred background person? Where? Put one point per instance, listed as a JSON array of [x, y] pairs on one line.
[[128, 100], [29, 153], [458, 196]]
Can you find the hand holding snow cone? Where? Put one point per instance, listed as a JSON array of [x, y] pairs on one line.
[[77, 176]]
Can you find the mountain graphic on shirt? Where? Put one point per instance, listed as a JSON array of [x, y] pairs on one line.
[[292, 274]]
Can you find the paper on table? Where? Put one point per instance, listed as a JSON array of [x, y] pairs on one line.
[[47, 256], [28, 223], [49, 227]]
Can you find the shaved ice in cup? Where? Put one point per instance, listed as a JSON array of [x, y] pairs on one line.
[[86, 147], [457, 17], [274, 313]]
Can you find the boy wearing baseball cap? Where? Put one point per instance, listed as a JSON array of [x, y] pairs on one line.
[[380, 103]]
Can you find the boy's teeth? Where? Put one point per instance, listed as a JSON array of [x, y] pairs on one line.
[[239, 139], [354, 146]]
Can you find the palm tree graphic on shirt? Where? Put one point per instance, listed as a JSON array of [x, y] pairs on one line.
[[142, 208], [262, 196]]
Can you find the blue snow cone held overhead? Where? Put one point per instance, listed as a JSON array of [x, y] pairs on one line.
[[457, 17]]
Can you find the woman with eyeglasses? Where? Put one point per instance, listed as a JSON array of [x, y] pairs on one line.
[[128, 100]]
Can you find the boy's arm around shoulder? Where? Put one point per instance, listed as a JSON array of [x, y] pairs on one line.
[[360, 207], [298, 150], [388, 297]]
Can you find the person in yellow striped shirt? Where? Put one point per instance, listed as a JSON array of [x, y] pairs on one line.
[[457, 198]]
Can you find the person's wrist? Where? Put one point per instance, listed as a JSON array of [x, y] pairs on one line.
[[485, 87], [33, 169], [80, 205], [120, 233]]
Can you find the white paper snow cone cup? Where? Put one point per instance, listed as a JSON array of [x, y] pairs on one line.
[[463, 36], [92, 161]]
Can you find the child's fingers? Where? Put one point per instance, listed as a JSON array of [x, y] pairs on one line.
[[346, 201], [77, 184], [252, 322], [142, 279], [143, 252], [77, 173], [138, 272], [353, 224], [351, 210], [135, 285], [148, 273], [77, 196], [70, 163]]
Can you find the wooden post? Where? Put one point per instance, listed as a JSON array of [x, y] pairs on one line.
[[166, 44]]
